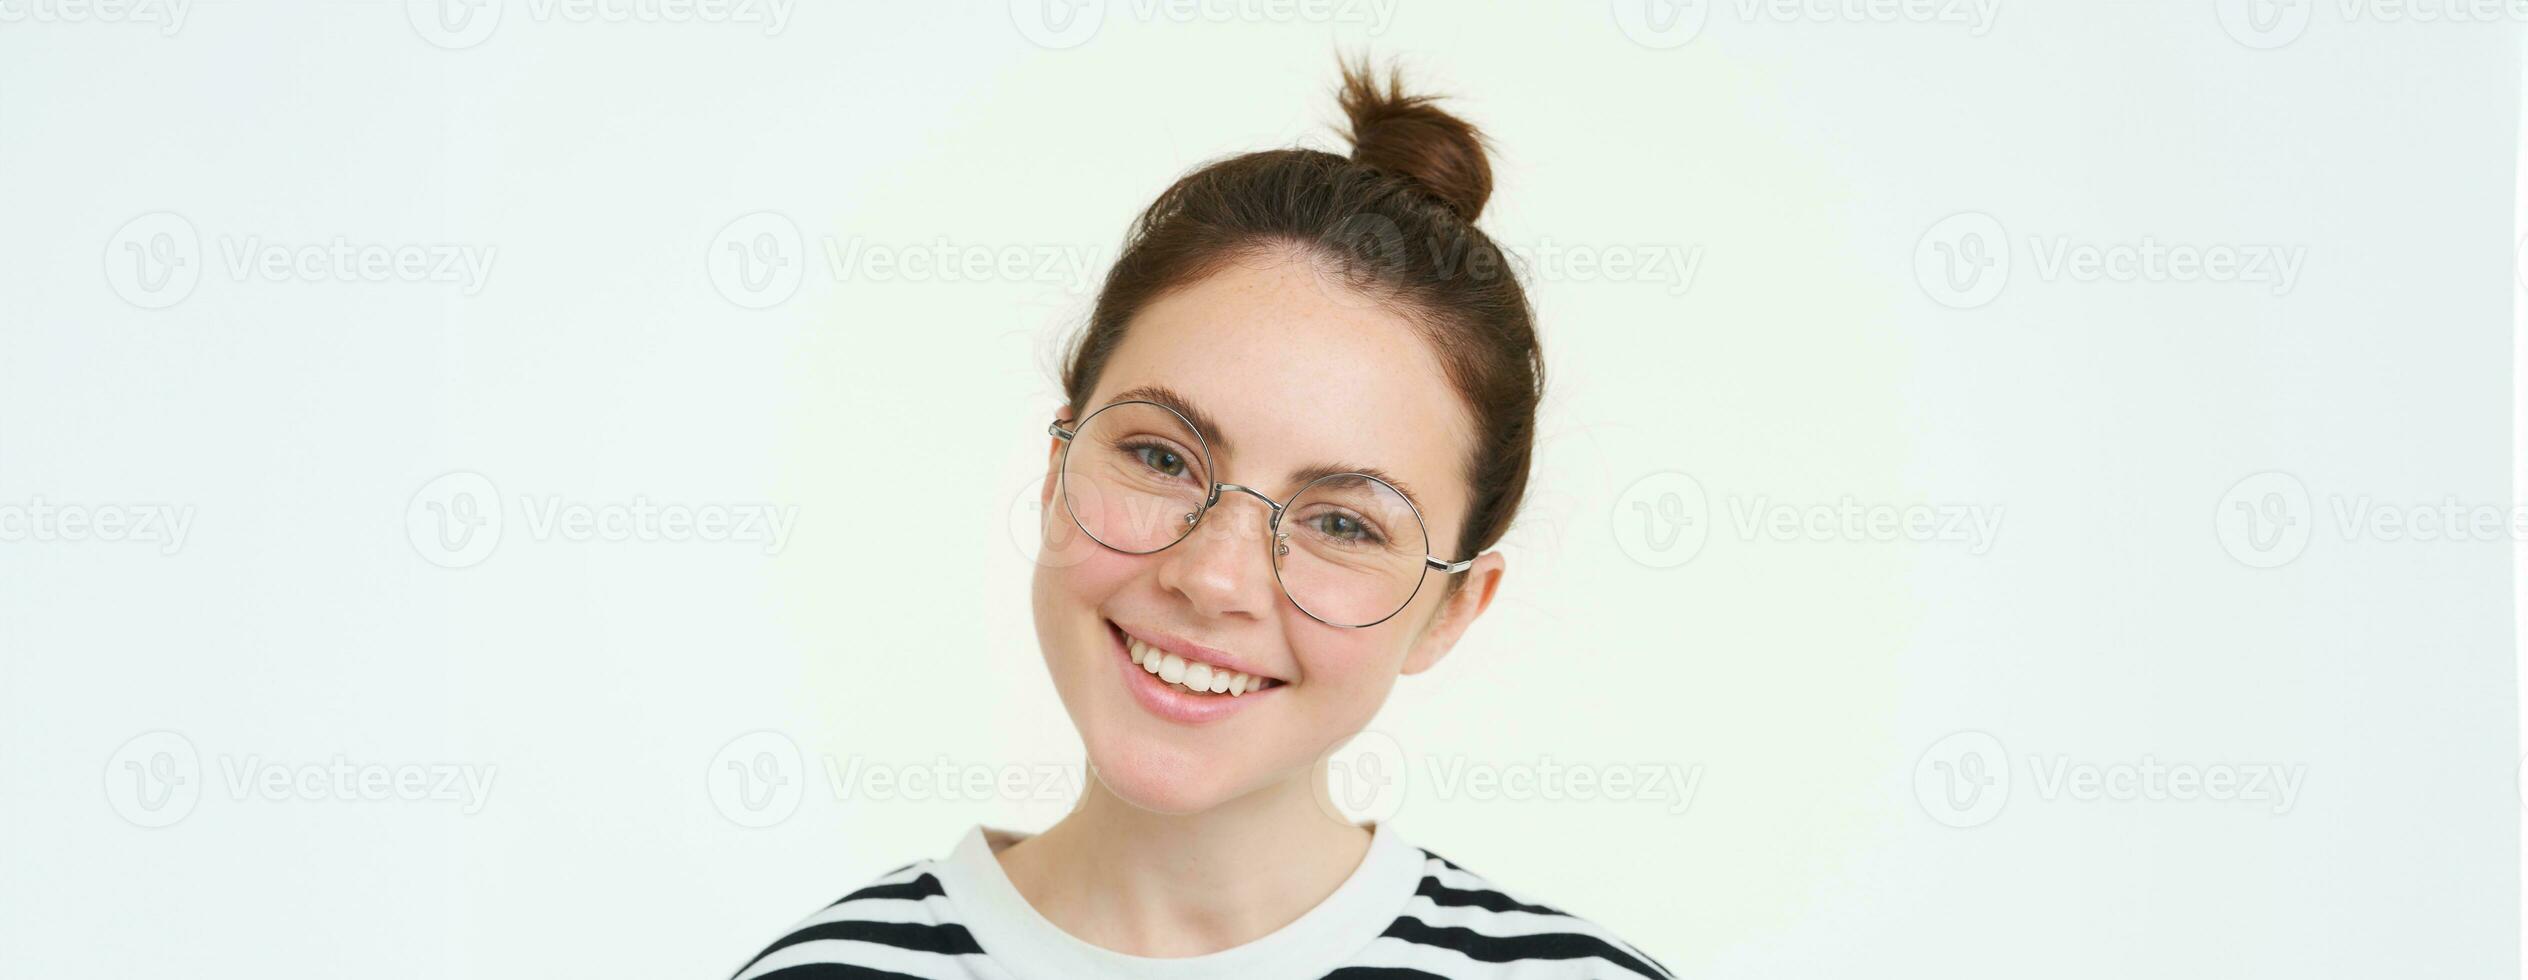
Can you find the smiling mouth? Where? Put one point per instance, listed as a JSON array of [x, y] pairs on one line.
[[1190, 676]]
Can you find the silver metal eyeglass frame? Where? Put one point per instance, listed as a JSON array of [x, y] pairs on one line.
[[1279, 543]]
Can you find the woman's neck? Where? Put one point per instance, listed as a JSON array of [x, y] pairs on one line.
[[1164, 885]]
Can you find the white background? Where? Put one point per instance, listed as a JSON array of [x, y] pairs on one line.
[[1838, 340]]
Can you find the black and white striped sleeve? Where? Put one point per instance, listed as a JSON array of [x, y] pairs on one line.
[[1459, 925], [899, 926]]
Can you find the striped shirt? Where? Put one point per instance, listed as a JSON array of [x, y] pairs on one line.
[[1404, 914]]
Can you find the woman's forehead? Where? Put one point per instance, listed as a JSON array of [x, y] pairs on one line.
[[1285, 377]]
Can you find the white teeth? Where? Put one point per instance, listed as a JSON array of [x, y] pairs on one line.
[[1191, 675]]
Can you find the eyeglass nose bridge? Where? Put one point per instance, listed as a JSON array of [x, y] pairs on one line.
[[1281, 538]]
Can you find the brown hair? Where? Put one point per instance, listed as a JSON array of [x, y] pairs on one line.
[[1396, 220]]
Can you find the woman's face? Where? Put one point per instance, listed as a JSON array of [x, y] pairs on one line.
[[1295, 371]]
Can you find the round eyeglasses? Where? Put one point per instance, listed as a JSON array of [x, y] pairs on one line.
[[1349, 549]]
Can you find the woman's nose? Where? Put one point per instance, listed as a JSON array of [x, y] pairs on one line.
[[1224, 566]]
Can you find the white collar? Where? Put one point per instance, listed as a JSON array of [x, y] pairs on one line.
[[1021, 940]]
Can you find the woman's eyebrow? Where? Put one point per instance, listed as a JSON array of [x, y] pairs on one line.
[[1164, 395], [1219, 443], [1312, 474]]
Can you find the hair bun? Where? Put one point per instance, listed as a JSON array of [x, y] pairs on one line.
[[1410, 137]]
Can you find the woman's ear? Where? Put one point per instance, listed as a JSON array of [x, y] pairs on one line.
[[1053, 462], [1456, 613]]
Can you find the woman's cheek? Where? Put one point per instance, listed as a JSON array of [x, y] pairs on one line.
[[1061, 547], [1090, 579], [1351, 672], [1071, 565], [1070, 630]]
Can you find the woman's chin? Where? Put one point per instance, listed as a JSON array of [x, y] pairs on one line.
[[1163, 780]]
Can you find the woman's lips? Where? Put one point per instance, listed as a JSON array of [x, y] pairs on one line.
[[1167, 700], [1190, 651]]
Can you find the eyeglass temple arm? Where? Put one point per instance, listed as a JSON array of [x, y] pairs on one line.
[[1056, 430]]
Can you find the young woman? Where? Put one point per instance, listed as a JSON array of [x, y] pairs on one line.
[[1299, 415]]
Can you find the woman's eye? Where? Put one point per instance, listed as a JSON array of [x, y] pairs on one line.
[[1343, 527], [1161, 459]]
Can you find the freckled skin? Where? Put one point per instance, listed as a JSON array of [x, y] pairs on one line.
[[1297, 370]]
